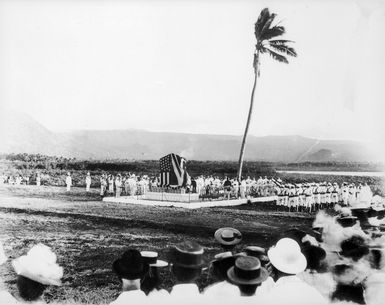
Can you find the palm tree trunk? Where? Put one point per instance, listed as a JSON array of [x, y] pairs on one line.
[[242, 153]]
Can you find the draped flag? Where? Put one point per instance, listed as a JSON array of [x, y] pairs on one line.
[[173, 170]]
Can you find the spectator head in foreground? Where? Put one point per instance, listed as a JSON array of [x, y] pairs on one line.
[[151, 280], [228, 238], [247, 273], [131, 269], [221, 264], [187, 261], [36, 271], [286, 258]]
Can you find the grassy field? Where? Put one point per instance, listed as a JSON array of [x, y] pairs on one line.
[[88, 235]]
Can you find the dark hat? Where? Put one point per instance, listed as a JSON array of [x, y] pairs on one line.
[[131, 265], [223, 262], [228, 236], [188, 254], [347, 221], [314, 255], [247, 271], [355, 247]]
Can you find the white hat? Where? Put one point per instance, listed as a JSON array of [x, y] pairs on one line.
[[3, 258], [39, 265], [152, 258], [286, 256]]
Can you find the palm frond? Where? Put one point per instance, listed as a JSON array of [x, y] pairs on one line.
[[262, 19], [267, 25], [277, 57], [281, 41], [283, 48], [275, 31]]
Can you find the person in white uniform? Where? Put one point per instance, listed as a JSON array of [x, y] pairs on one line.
[[88, 182], [131, 269], [68, 181]]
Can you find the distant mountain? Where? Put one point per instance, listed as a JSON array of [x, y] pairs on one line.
[[21, 133]]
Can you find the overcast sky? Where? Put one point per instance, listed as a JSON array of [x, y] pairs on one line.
[[186, 66]]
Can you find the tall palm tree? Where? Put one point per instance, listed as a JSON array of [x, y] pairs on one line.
[[266, 34]]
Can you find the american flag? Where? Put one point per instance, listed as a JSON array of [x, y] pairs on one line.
[[172, 170]]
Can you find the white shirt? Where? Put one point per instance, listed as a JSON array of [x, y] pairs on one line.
[[130, 297], [221, 289], [184, 290], [292, 290]]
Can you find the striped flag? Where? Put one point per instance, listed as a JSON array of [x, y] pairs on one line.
[[172, 170]]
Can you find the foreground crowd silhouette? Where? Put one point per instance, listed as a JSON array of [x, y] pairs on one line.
[[340, 259]]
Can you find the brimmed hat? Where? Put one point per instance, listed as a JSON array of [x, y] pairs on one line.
[[257, 252], [188, 254], [131, 265], [347, 221], [3, 258], [286, 256], [247, 271], [151, 258], [228, 236], [39, 265]]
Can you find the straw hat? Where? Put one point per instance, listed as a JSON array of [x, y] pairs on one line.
[[39, 265], [228, 236], [286, 256], [151, 258], [188, 254], [3, 258], [247, 271]]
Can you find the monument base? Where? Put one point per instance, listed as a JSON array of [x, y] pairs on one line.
[[172, 197], [141, 200]]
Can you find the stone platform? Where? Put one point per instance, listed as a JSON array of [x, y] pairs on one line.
[[172, 197], [143, 200]]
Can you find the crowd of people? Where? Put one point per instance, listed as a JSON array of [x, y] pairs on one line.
[[334, 261], [307, 197], [314, 196]]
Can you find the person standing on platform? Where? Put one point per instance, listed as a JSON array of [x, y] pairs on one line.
[[68, 181], [103, 185], [110, 181], [118, 185], [227, 187], [88, 182]]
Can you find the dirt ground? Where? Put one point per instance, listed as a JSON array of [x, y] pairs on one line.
[[88, 235]]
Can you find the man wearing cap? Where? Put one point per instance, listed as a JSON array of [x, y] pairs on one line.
[[248, 274], [288, 261], [36, 271], [228, 238], [131, 269], [219, 267], [187, 264], [151, 283]]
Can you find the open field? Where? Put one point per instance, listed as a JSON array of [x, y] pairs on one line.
[[88, 235]]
